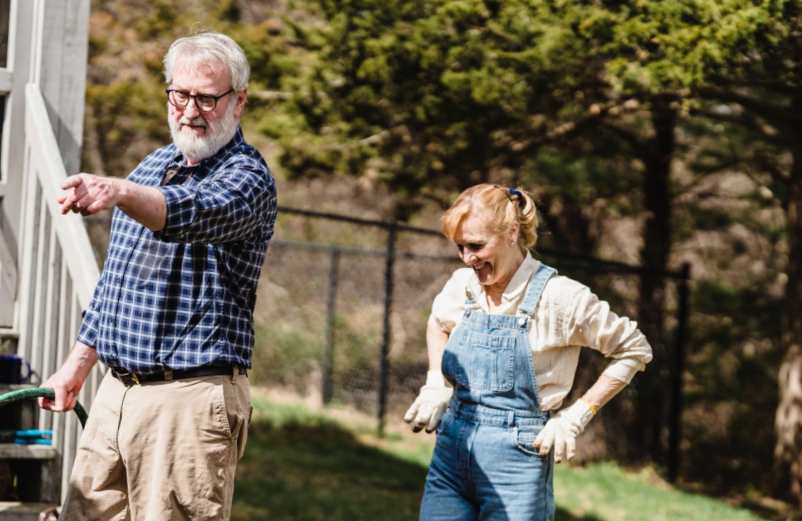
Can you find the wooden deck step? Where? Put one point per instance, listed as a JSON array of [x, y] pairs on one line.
[[21, 414], [7, 388], [9, 338], [34, 469], [17, 511], [14, 451], [8, 332]]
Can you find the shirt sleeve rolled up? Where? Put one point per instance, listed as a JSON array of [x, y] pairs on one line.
[[230, 205], [591, 323]]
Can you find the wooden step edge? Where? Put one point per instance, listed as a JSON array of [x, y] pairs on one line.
[[10, 333], [20, 511], [40, 452], [6, 388]]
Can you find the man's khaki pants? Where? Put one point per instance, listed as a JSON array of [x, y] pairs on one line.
[[160, 451]]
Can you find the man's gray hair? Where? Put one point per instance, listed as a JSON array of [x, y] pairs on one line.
[[210, 47]]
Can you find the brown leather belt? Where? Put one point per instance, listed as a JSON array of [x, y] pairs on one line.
[[165, 375]]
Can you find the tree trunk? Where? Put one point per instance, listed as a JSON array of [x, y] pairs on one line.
[[651, 403], [788, 421]]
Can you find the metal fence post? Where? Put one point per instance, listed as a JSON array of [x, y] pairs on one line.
[[331, 306], [680, 338], [384, 362]]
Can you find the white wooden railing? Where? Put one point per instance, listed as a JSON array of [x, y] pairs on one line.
[[57, 272]]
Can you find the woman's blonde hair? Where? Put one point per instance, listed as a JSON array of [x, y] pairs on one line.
[[503, 206]]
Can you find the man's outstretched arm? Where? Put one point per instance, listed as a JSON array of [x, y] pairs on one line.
[[90, 194]]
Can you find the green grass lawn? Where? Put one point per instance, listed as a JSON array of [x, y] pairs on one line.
[[305, 465]]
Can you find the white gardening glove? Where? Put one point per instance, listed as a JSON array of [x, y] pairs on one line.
[[431, 403], [561, 430]]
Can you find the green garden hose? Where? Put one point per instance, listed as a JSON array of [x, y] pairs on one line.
[[40, 392]]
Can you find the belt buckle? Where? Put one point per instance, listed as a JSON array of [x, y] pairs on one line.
[[127, 378]]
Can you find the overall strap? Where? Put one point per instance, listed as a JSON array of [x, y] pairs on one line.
[[470, 303], [537, 283]]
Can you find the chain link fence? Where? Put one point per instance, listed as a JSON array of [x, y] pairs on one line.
[[343, 304]]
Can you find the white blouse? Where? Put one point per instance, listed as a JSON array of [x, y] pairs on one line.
[[568, 317]]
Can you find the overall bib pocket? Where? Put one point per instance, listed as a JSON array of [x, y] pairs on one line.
[[482, 362]]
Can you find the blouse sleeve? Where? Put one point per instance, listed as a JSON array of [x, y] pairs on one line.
[[590, 322], [449, 304]]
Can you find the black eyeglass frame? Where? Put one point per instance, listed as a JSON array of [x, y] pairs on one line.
[[195, 97]]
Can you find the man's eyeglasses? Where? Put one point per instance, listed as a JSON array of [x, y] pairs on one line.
[[204, 102]]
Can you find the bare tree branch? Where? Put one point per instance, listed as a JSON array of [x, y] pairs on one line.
[[779, 115], [746, 120]]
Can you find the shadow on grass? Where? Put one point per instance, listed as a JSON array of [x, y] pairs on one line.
[[315, 470]]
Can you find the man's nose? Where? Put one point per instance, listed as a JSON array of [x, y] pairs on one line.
[[191, 110]]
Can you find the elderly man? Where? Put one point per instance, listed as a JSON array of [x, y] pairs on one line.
[[172, 313]]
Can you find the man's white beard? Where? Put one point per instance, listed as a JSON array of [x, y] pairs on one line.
[[217, 135]]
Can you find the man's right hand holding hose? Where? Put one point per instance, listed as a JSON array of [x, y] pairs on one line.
[[68, 380]]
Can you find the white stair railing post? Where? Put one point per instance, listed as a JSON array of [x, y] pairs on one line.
[[59, 271]]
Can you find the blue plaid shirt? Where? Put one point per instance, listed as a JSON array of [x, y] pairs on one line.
[[183, 297]]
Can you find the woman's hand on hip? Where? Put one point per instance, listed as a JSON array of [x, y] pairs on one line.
[[561, 430]]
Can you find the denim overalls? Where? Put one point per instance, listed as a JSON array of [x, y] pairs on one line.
[[484, 466]]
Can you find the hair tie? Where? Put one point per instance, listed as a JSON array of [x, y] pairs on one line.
[[512, 192]]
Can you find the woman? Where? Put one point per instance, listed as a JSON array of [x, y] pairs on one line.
[[503, 340]]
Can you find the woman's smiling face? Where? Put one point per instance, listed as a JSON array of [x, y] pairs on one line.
[[492, 255]]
